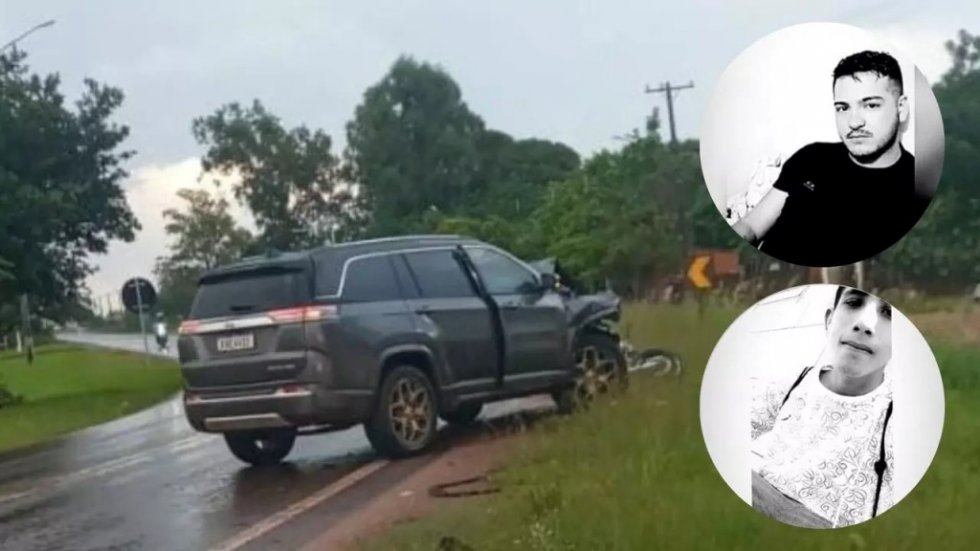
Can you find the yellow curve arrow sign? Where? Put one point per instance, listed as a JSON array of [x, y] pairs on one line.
[[696, 274]]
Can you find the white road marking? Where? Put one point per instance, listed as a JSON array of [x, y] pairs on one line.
[[300, 507]]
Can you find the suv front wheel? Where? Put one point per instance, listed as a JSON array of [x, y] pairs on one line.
[[404, 421], [600, 370], [261, 448]]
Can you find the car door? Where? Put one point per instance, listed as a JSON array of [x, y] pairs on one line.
[[454, 319], [534, 320]]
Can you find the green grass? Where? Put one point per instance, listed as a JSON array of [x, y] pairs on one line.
[[68, 388], [635, 474]]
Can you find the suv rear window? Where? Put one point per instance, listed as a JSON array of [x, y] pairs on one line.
[[250, 292]]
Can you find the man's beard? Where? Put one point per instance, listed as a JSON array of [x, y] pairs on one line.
[[873, 156]]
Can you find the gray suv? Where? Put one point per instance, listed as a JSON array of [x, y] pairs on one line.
[[389, 333]]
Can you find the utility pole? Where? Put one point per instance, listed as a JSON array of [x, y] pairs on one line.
[[669, 91]]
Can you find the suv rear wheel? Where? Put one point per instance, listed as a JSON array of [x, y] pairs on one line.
[[404, 421], [463, 415], [260, 448], [600, 370]]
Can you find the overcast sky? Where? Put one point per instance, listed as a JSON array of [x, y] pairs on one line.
[[562, 70]]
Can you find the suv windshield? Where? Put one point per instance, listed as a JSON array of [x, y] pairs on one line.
[[250, 292]]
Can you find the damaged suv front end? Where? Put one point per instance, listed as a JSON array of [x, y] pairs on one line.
[[601, 367]]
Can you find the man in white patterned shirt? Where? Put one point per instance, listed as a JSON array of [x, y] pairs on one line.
[[822, 449]]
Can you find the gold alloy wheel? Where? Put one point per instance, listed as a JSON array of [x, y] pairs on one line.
[[410, 411], [598, 374]]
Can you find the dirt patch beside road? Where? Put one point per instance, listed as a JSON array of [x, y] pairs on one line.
[[410, 499], [470, 453]]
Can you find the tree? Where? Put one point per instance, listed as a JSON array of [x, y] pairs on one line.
[[290, 180], [513, 175], [60, 175], [943, 250], [412, 145], [492, 229], [204, 236]]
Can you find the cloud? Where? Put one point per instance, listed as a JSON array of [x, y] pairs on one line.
[[151, 190]]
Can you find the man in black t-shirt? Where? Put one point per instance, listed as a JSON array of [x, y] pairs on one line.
[[843, 202]]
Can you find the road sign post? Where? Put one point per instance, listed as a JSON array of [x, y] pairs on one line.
[[139, 303], [25, 319], [697, 275], [139, 296]]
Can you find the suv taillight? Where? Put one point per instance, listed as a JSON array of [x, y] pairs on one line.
[[303, 313], [282, 315], [188, 327]]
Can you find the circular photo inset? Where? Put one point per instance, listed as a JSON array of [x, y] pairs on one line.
[[822, 145], [822, 406]]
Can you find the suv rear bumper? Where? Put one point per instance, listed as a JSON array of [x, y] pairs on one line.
[[270, 408]]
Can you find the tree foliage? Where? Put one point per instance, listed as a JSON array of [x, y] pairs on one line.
[[420, 160], [944, 247], [203, 236], [60, 178], [628, 215], [413, 145], [289, 179], [513, 175]]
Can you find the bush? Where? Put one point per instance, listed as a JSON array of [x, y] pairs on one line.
[[8, 398]]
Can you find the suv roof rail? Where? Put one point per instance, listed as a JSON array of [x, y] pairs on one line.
[[395, 238]]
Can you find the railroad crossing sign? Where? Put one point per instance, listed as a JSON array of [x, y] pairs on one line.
[[138, 295], [696, 272]]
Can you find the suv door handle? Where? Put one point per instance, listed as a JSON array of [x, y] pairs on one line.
[[423, 310]]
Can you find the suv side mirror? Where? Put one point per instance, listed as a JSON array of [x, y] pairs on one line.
[[548, 282]]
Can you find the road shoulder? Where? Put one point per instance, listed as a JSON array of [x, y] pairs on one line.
[[410, 499]]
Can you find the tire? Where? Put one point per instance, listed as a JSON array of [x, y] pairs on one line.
[[565, 401], [403, 422], [601, 370], [463, 415], [261, 448]]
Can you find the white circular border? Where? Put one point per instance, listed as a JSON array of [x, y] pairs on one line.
[[770, 101], [726, 394]]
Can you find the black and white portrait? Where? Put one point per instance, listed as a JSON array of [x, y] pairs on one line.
[[822, 406], [834, 177], [823, 456]]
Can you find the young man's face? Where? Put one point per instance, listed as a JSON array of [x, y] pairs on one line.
[[869, 112], [859, 334]]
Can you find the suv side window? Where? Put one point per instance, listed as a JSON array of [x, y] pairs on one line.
[[500, 274], [370, 279], [328, 269], [438, 275]]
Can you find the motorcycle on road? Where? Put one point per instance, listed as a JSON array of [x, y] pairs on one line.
[[160, 333]]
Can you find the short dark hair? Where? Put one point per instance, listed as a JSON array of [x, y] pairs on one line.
[[840, 293], [868, 61]]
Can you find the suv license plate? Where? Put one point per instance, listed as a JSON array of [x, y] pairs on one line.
[[236, 342]]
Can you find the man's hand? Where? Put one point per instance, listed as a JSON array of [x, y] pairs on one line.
[[774, 504]]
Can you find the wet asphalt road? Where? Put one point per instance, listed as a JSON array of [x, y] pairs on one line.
[[150, 482]]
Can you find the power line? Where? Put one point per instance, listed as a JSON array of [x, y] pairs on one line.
[[670, 91], [24, 34]]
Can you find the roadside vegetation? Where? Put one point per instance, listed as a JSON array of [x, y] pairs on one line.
[[68, 388], [634, 473]]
